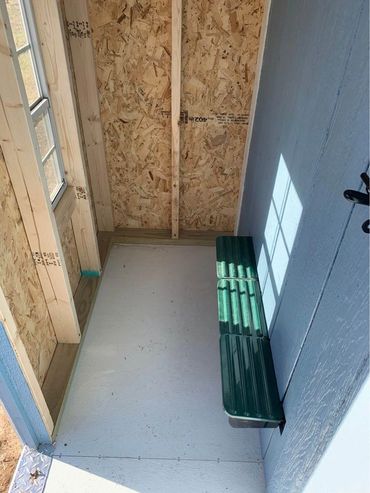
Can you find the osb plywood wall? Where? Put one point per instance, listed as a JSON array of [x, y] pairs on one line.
[[219, 56], [20, 282], [71, 258], [132, 41]]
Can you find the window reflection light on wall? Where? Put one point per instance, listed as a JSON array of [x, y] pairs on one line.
[[279, 235]]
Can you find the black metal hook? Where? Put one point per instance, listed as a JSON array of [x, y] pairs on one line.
[[357, 197], [361, 198], [366, 226]]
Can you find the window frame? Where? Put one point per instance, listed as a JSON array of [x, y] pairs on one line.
[[42, 105]]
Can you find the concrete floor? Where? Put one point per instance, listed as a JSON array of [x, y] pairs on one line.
[[144, 412]]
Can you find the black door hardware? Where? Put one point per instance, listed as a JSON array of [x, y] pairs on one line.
[[361, 198]]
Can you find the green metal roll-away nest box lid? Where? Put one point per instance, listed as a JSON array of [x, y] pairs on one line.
[[249, 388]]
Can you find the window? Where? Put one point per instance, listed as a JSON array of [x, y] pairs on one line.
[[35, 94]]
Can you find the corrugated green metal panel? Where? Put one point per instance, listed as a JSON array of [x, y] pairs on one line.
[[249, 386], [240, 308], [235, 257], [248, 380]]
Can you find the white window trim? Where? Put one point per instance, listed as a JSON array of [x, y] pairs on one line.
[[42, 104]]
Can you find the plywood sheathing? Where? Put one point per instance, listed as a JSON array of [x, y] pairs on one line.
[[219, 55], [132, 41], [20, 282], [70, 251]]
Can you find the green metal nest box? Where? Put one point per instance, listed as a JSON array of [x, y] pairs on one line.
[[249, 388]]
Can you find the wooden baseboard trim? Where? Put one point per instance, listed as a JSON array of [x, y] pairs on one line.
[[160, 237], [65, 356]]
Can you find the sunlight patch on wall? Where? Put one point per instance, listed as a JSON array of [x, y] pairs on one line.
[[279, 235]]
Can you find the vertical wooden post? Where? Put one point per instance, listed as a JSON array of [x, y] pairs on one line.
[[51, 33], [28, 180], [175, 111], [79, 35]]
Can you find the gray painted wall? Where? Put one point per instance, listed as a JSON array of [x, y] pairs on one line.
[[309, 143]]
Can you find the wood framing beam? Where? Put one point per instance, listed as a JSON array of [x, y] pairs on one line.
[[20, 352], [252, 111], [55, 56], [175, 111], [141, 236], [17, 138], [79, 35]]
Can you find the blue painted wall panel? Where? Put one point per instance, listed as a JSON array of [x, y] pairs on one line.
[[15, 391], [332, 367], [310, 142]]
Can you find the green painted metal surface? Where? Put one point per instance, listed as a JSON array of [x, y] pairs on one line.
[[249, 385], [240, 309], [248, 380], [235, 257], [90, 273]]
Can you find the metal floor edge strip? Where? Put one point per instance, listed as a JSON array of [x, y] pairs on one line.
[[31, 473]]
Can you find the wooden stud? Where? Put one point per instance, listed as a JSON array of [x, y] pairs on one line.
[[175, 111], [20, 282], [219, 48], [12, 332], [55, 56], [252, 113], [79, 35], [30, 187]]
